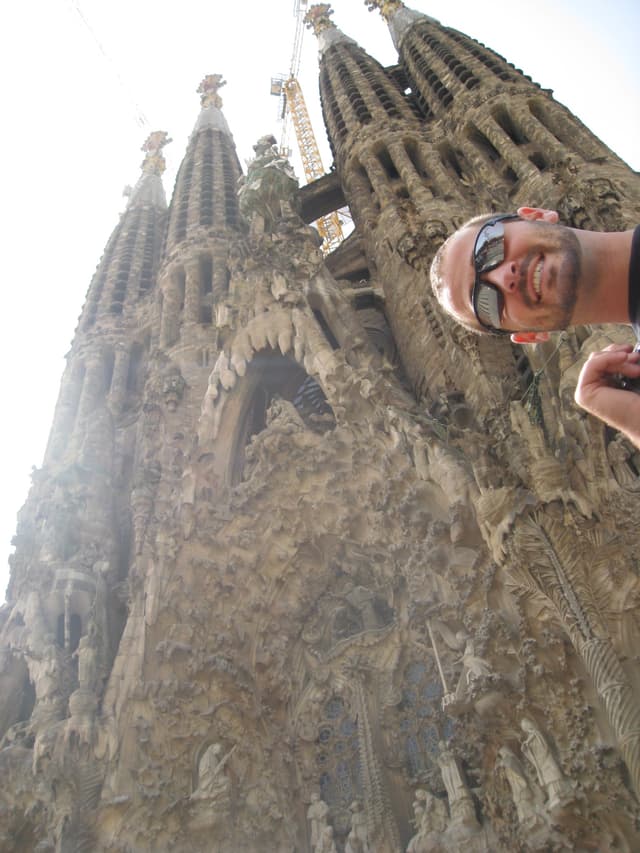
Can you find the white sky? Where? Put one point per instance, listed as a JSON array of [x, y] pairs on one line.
[[73, 94]]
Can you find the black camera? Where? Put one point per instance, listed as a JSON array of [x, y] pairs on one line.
[[626, 383]]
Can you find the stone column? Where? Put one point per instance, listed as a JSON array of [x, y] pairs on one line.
[[507, 148], [118, 390], [93, 389], [171, 304], [66, 410], [192, 293]]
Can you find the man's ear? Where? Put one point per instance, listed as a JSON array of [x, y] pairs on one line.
[[529, 337], [532, 213]]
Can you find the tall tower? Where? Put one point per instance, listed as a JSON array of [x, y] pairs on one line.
[[307, 567], [204, 213]]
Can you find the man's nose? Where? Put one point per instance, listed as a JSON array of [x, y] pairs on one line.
[[504, 276]]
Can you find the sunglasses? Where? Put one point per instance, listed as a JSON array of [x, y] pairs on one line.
[[488, 253]]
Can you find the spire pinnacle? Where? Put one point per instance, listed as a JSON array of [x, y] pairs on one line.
[[398, 16], [149, 188], [318, 20], [385, 7], [211, 105], [154, 162], [208, 91]]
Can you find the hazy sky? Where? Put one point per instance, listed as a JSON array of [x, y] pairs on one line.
[[85, 81]]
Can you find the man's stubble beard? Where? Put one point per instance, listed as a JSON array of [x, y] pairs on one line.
[[564, 279]]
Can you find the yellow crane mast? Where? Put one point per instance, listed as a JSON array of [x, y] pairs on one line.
[[328, 226]]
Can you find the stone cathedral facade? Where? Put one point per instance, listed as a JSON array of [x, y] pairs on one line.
[[306, 567]]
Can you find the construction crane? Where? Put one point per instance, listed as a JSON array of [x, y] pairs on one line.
[[293, 104]]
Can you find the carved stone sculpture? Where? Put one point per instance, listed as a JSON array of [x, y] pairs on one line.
[[87, 655], [267, 192], [430, 819], [317, 815], [213, 783], [358, 838], [460, 801], [538, 752], [521, 792], [326, 844], [619, 456]]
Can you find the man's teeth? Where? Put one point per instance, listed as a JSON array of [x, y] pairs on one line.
[[537, 277]]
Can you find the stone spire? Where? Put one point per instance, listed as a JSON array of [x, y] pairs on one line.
[[318, 19], [149, 188], [203, 217], [205, 194], [211, 103], [398, 16], [108, 351], [126, 269]]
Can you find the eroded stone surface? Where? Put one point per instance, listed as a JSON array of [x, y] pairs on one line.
[[307, 567]]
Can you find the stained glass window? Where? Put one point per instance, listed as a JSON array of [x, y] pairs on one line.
[[338, 763], [421, 723]]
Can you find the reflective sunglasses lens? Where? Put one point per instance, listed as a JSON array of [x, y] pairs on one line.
[[490, 247], [487, 304]]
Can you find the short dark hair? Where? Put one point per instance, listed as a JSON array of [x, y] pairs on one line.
[[438, 283]]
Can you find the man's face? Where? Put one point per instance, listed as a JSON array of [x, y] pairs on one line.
[[538, 278]]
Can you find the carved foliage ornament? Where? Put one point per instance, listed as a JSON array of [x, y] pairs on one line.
[[208, 90], [386, 7], [154, 163], [317, 18]]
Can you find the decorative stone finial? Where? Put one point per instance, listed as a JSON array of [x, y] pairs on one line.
[[386, 7], [208, 90], [154, 163], [317, 18]]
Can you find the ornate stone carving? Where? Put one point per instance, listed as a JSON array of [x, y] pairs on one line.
[[208, 90], [521, 791], [266, 195], [213, 782], [460, 800], [317, 816], [358, 838], [551, 779]]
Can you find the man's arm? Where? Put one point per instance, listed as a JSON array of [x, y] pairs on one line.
[[596, 393]]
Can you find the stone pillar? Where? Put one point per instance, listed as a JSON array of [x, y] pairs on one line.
[[93, 389], [508, 150], [66, 410], [171, 305], [378, 178], [420, 194], [192, 293], [118, 390]]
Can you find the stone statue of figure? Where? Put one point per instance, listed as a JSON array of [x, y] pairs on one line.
[[538, 752], [363, 600], [358, 838], [521, 792], [460, 801], [268, 190], [619, 456], [430, 819], [437, 815], [46, 673], [419, 815], [325, 843], [87, 655], [283, 415], [474, 666], [213, 783], [317, 815]]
